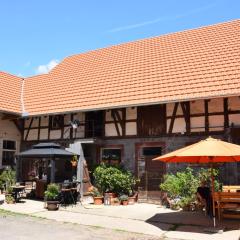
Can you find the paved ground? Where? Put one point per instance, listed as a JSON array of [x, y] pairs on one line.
[[139, 218], [27, 228]]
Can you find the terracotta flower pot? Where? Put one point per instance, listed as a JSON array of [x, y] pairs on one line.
[[125, 202], [98, 200], [74, 164], [131, 200]]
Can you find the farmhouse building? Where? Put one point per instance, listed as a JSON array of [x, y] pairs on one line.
[[131, 102]]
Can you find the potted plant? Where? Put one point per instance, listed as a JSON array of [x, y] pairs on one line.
[[123, 199], [133, 197], [8, 178], [74, 161], [112, 180], [9, 199], [52, 197], [115, 202], [97, 196]]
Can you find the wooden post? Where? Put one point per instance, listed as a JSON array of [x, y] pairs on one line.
[[213, 200], [226, 117], [206, 116], [53, 170]]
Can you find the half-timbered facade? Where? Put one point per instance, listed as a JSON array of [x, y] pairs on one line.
[[132, 102]]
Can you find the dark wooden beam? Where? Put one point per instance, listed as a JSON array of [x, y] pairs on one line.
[[117, 114], [115, 122], [124, 121], [186, 113], [206, 116], [173, 117], [62, 128], [29, 127], [49, 126], [39, 127], [71, 129], [226, 116]]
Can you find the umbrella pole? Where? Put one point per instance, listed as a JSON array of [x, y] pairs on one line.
[[213, 202]]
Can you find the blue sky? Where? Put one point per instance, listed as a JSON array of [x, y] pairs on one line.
[[35, 35]]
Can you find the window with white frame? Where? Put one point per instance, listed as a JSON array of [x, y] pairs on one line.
[[8, 152]]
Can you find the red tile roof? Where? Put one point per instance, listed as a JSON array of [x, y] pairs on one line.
[[10, 93], [193, 64]]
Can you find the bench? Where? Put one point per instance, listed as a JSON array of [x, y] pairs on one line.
[[229, 201], [231, 188]]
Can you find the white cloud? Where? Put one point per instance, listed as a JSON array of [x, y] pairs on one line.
[[163, 19], [41, 69]]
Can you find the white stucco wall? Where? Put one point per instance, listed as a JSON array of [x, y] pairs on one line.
[[8, 131]]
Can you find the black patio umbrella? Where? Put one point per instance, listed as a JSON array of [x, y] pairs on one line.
[[43, 150], [52, 151]]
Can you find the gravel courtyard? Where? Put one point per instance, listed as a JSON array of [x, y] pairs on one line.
[[20, 227]]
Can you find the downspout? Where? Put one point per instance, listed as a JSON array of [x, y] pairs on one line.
[[24, 113]]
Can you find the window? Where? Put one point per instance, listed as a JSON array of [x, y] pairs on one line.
[[8, 153], [111, 156], [56, 122], [152, 151]]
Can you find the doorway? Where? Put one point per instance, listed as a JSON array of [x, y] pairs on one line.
[[149, 172]]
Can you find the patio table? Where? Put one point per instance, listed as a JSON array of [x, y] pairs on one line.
[[17, 190], [67, 196]]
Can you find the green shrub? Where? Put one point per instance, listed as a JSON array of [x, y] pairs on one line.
[[52, 192], [183, 184], [7, 178], [113, 179], [205, 174]]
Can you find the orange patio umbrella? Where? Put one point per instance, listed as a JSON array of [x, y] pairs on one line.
[[208, 151]]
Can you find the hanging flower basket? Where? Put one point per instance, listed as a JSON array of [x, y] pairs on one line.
[[74, 161]]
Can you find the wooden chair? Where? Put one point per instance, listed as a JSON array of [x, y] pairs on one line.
[[231, 188], [227, 201]]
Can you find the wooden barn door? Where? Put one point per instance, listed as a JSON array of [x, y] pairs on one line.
[[150, 173]]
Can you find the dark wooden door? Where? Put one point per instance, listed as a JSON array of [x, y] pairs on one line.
[[150, 173]]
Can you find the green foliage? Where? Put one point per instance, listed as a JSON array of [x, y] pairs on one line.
[[95, 192], [7, 178], [9, 199], [123, 197], [183, 184], [185, 201], [205, 175], [52, 192], [114, 179]]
